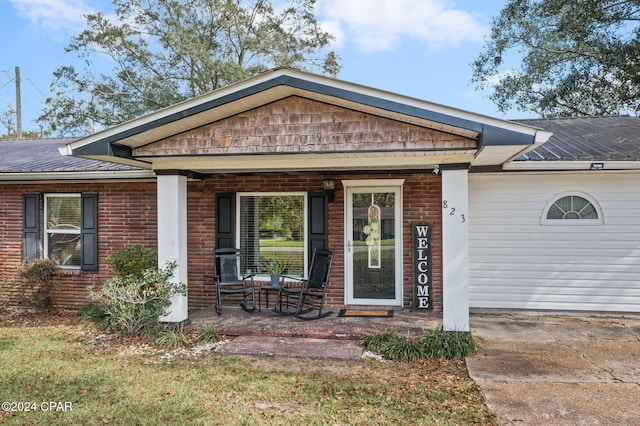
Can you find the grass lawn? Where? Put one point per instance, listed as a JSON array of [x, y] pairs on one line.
[[95, 379]]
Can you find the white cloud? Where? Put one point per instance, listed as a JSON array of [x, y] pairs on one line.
[[54, 15], [382, 24], [496, 79]]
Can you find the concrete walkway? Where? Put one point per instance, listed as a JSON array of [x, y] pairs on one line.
[[541, 370], [294, 347]]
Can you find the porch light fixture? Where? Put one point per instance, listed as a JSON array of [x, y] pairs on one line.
[[597, 166], [329, 186]]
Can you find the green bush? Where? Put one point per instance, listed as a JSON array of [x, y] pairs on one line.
[[377, 342], [37, 283], [207, 335], [169, 336], [95, 313], [432, 344], [447, 344], [403, 349], [132, 261], [133, 304]]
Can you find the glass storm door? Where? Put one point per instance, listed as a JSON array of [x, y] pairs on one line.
[[373, 246]]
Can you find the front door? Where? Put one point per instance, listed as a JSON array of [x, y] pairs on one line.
[[373, 244]]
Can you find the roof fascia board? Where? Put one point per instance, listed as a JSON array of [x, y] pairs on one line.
[[78, 176]]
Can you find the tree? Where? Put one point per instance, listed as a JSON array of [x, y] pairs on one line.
[[166, 51], [576, 57], [8, 121]]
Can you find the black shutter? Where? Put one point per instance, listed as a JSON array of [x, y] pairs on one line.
[[30, 226], [225, 220], [89, 232], [318, 222]]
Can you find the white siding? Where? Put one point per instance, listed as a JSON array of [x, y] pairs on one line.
[[517, 263]]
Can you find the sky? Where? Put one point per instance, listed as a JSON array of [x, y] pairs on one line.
[[419, 48]]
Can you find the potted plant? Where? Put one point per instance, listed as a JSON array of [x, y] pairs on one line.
[[276, 269]]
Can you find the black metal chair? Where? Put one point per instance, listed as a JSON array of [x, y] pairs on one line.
[[230, 279], [309, 293]]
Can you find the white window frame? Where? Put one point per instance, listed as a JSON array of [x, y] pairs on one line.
[[48, 231], [305, 203], [572, 222]]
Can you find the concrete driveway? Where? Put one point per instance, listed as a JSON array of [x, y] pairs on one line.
[[556, 370]]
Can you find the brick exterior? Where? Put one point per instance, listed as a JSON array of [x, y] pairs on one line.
[[422, 203], [128, 215]]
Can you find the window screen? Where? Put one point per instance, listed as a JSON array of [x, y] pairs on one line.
[[62, 229], [272, 233]]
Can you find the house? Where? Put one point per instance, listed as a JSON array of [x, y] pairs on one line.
[[286, 162]]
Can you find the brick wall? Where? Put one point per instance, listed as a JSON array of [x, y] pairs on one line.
[[422, 203], [128, 215]]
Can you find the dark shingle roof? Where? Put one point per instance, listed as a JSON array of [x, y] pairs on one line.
[[588, 138], [42, 155]]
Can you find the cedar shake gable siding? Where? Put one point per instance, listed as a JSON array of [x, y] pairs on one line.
[[299, 125]]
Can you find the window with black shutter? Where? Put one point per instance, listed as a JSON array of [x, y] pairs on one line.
[[276, 230], [69, 229]]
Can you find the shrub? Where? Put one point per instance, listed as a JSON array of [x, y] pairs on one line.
[[37, 283], [96, 314], [132, 261], [170, 337], [377, 342], [403, 349], [432, 344], [134, 304], [447, 344], [207, 335]]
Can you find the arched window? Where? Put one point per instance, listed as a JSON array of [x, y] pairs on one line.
[[572, 208]]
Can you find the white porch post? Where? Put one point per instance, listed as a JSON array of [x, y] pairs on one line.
[[172, 237], [455, 250]]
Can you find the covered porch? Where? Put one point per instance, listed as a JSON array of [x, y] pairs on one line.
[[284, 134]]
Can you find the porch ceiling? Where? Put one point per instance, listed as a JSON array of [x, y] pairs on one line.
[[313, 162]]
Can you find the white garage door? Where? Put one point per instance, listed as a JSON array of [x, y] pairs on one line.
[[568, 242]]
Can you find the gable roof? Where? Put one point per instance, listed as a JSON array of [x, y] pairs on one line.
[[578, 142], [497, 140], [575, 144]]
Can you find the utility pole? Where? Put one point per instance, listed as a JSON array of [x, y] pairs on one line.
[[18, 106]]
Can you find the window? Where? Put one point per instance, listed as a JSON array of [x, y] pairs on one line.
[[272, 232], [69, 232], [572, 209], [62, 229]]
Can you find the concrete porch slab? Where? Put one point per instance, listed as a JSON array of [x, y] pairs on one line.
[[235, 322]]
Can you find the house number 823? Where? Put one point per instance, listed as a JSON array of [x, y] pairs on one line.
[[452, 211]]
